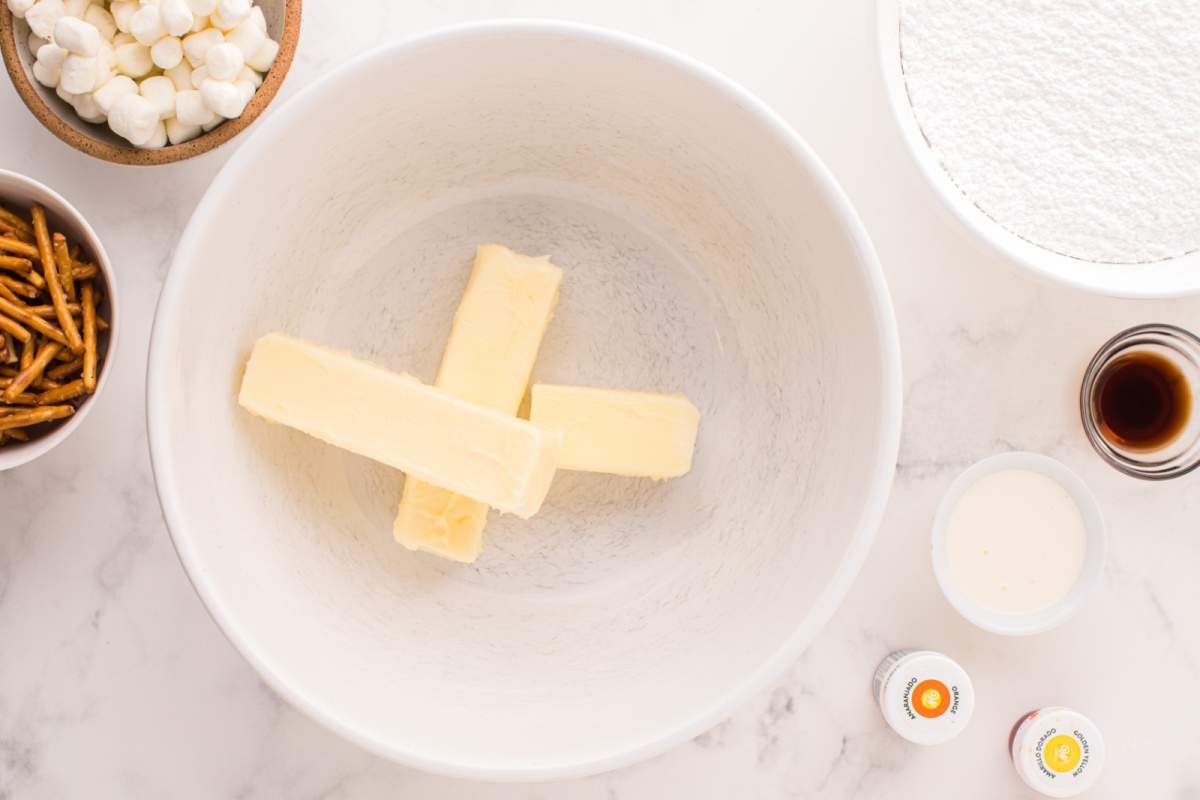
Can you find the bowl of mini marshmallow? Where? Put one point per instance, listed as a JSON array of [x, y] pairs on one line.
[[146, 82]]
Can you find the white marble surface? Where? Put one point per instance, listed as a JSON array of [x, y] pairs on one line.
[[114, 682]]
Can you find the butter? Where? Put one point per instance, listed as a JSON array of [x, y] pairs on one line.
[[397, 420], [620, 432], [493, 344]]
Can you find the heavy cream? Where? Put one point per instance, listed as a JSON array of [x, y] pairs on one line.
[[1016, 542]]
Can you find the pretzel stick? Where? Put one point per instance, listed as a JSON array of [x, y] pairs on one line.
[[28, 350], [19, 287], [17, 264], [14, 222], [17, 247], [42, 383], [62, 393], [35, 416], [31, 373], [8, 295], [17, 434], [88, 301], [53, 281], [83, 272], [20, 314], [66, 269], [66, 370], [14, 329], [23, 399], [48, 312], [10, 232]]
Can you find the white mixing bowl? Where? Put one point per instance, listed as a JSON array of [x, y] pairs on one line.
[[705, 249]]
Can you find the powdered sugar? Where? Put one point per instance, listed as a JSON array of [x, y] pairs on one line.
[[1073, 123]]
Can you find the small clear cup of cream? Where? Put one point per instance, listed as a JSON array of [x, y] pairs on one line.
[[1018, 544]]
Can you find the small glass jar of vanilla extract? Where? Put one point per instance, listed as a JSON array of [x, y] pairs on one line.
[[1139, 400]]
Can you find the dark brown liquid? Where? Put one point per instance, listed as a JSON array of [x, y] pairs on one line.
[[1144, 401]]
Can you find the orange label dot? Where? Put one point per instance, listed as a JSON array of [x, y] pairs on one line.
[[930, 698]]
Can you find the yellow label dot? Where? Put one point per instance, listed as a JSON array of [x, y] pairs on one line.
[[1062, 753]]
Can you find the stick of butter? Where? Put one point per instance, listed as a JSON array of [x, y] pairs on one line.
[[639, 434], [493, 344], [399, 421]]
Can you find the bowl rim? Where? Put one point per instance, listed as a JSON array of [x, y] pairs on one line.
[[12, 457], [136, 156], [1093, 565], [1163, 279], [859, 540]]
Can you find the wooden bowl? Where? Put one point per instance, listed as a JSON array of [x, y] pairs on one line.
[[283, 25]]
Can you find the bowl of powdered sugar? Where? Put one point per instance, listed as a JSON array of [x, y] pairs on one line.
[[1065, 134]]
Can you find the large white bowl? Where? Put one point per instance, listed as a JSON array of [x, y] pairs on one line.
[[705, 249], [1173, 277]]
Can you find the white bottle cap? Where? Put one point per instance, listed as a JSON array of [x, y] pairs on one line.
[[1058, 752], [925, 697]]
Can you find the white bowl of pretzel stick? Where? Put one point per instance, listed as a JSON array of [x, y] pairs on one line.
[[57, 345]]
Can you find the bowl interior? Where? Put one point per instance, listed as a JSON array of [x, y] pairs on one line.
[[1093, 563], [18, 193], [704, 250], [1169, 278], [98, 138]]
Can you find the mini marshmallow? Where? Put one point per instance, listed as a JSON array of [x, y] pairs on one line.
[[167, 52], [122, 13], [46, 75], [209, 126], [247, 90], [147, 25], [157, 139], [78, 74], [78, 36], [88, 109], [181, 76], [99, 18], [247, 37], [134, 60], [52, 55], [224, 62], [116, 88], [134, 118], [43, 15], [223, 97], [160, 91], [201, 23], [105, 62], [202, 8], [190, 109], [199, 76], [65, 96], [265, 57], [176, 17], [230, 13], [20, 8], [178, 133], [75, 8], [249, 76], [258, 18], [124, 38], [35, 43], [196, 46]]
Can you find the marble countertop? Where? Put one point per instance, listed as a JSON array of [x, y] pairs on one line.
[[114, 682]]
